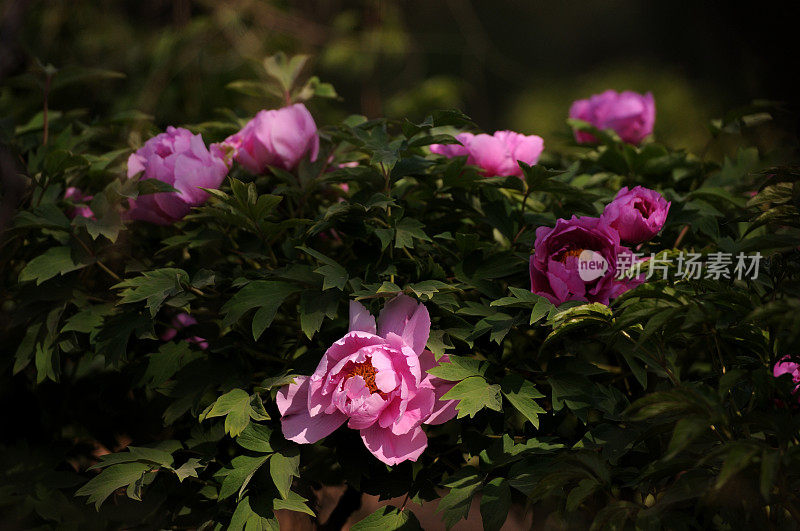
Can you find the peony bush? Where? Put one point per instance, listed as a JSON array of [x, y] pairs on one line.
[[209, 326]]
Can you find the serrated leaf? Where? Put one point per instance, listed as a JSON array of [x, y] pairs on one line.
[[522, 394], [154, 287], [314, 307], [189, 469], [266, 295], [408, 229], [388, 518], [294, 502], [255, 437], [495, 504], [112, 478], [474, 394], [239, 474], [235, 407], [458, 369], [54, 261], [283, 467]]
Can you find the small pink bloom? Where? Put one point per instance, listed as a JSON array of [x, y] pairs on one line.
[[630, 114], [79, 199], [558, 252], [181, 160], [497, 154], [784, 366], [375, 379], [180, 321], [637, 214], [275, 138]]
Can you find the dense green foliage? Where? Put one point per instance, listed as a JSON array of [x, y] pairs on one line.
[[659, 411]]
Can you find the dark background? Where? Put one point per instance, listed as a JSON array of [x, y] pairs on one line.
[[508, 64]]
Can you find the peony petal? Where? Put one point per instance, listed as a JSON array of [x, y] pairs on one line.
[[393, 449], [297, 423], [408, 319], [360, 318]]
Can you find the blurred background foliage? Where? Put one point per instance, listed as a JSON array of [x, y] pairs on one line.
[[508, 64]]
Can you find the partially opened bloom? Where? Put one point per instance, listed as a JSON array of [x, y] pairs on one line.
[[180, 321], [279, 138], [497, 154], [637, 214], [375, 380], [81, 209], [561, 252], [784, 366], [181, 160], [629, 114]]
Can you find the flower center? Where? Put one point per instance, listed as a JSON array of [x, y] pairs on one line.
[[571, 252], [642, 207], [366, 371]]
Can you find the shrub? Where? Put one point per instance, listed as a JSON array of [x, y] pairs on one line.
[[142, 362]]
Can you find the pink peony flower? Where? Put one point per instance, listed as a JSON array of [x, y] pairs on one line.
[[630, 114], [496, 154], [80, 209], [637, 214], [183, 320], [560, 252], [275, 138], [375, 379], [181, 160], [784, 366]]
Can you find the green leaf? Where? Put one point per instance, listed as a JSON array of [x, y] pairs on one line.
[[27, 348], [314, 307], [521, 393], [266, 295], [254, 514], [686, 430], [285, 465], [495, 504], [54, 261], [426, 289], [474, 394], [738, 457], [406, 230], [455, 504], [255, 437], [334, 275], [770, 461], [459, 368], [388, 518], [88, 320], [577, 495], [238, 476], [169, 359], [154, 287], [189, 469], [235, 406], [295, 503], [112, 478], [155, 456]]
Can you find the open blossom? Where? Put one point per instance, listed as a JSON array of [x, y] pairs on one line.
[[561, 251], [80, 199], [279, 138], [496, 154], [629, 114], [180, 321], [637, 214], [784, 366], [375, 379], [181, 160]]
